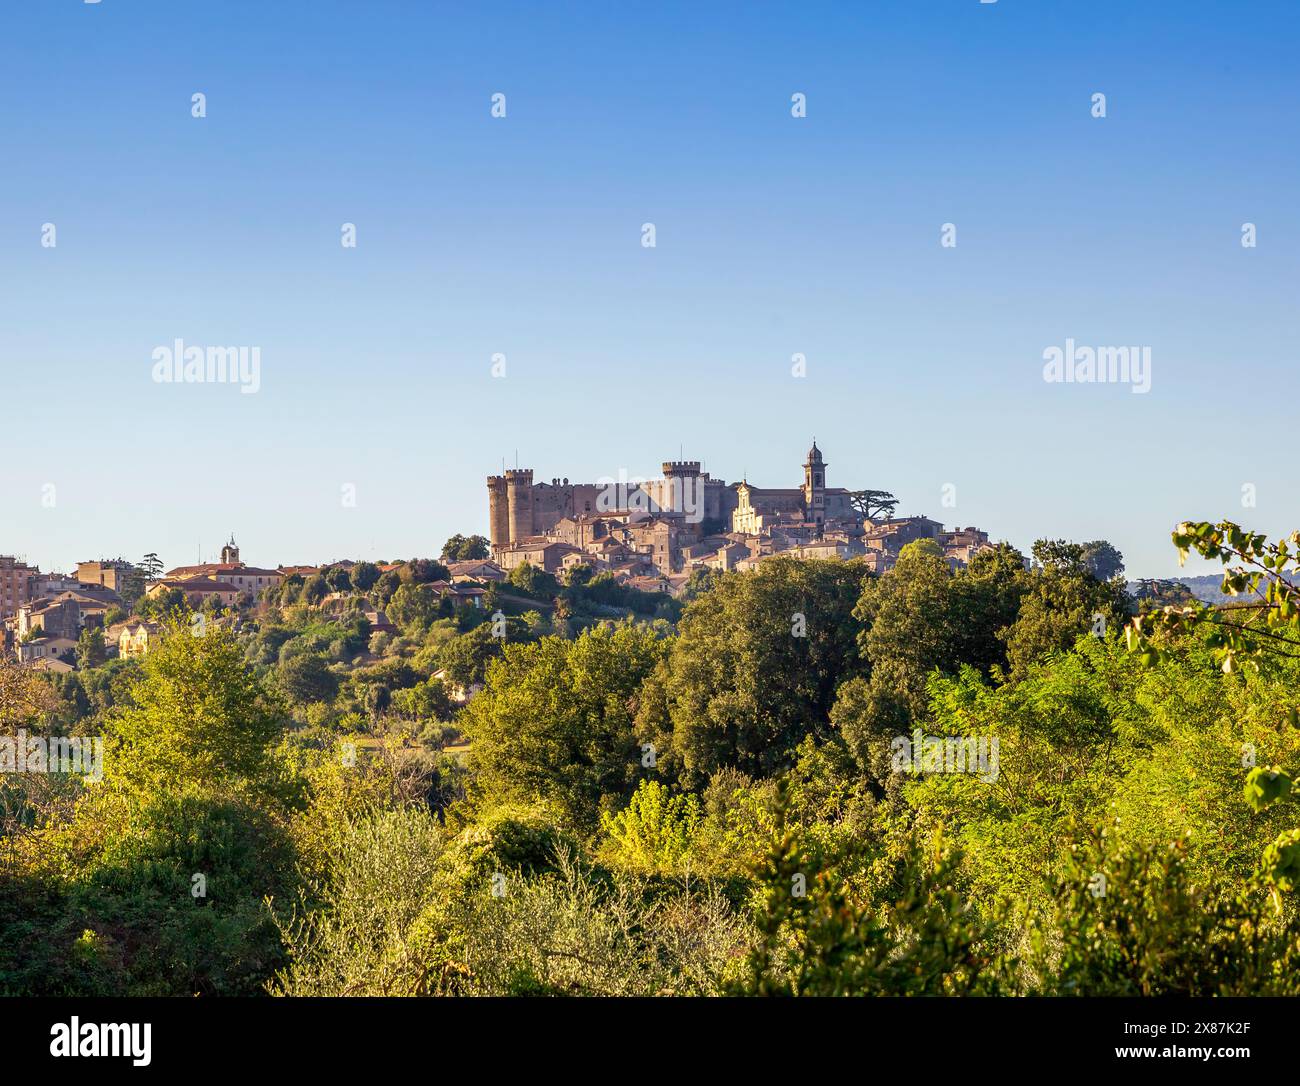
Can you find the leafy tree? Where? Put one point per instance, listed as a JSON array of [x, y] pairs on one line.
[[554, 724], [459, 548], [1064, 601], [923, 616], [314, 590], [466, 657], [755, 668], [1149, 930], [91, 650], [338, 578], [164, 603], [423, 570], [656, 831], [307, 678], [196, 715], [364, 576], [1103, 560], [414, 607], [533, 582], [386, 586], [1153, 593], [818, 937]]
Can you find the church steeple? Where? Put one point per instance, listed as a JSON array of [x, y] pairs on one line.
[[814, 485], [230, 552]]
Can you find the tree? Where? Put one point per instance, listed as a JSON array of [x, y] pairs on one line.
[[554, 725], [387, 584], [533, 582], [91, 650], [1102, 559], [466, 657], [1065, 601], [196, 715], [423, 570], [307, 678], [314, 590], [754, 668], [338, 578], [163, 603], [1153, 593], [364, 576], [923, 616], [874, 504], [460, 548], [414, 607]]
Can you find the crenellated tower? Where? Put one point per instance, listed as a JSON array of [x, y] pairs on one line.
[[682, 490], [498, 511], [519, 500]]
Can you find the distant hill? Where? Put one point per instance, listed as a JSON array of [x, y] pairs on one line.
[[1205, 589]]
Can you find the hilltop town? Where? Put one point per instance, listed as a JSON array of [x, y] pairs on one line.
[[641, 539], [655, 533]]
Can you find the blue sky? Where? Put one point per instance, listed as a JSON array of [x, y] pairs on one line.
[[775, 235]]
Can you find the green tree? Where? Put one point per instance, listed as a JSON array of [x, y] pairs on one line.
[[554, 724], [1064, 601], [314, 590], [196, 715], [364, 576], [91, 650], [414, 607], [306, 678], [460, 548], [755, 668], [533, 582]]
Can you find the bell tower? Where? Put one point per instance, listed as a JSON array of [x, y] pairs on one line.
[[230, 552], [814, 485]]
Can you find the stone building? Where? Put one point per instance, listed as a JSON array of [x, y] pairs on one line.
[[520, 509], [664, 528]]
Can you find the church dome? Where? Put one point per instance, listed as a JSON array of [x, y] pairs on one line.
[[814, 454]]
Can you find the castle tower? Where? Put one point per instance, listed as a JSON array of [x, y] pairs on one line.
[[683, 493], [814, 484], [230, 552], [498, 511], [519, 498]]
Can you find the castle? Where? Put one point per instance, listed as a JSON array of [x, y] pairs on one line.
[[655, 532]]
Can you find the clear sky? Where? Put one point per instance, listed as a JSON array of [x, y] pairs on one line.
[[522, 235]]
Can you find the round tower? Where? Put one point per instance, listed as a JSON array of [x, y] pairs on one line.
[[519, 496], [683, 492], [498, 511]]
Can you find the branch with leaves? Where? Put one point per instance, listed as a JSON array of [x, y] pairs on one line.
[[1265, 623]]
